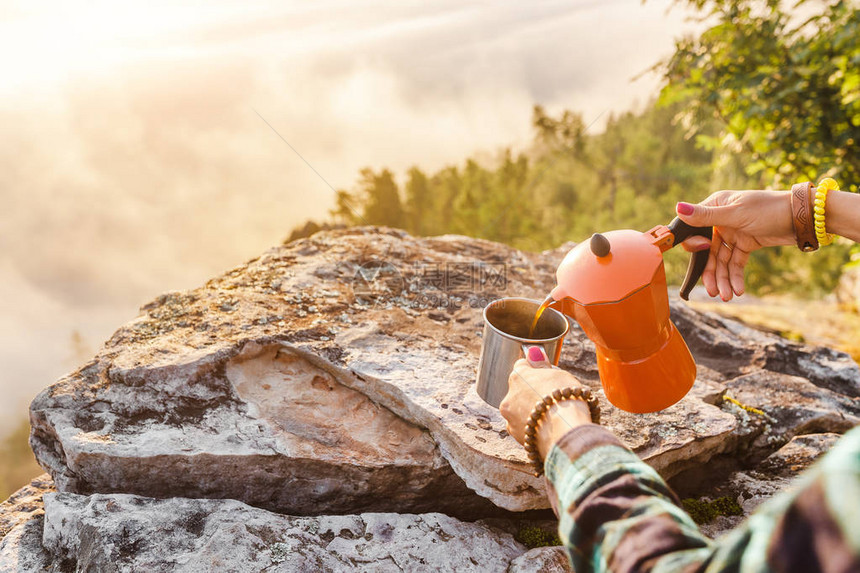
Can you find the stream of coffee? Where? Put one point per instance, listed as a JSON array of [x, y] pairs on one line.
[[544, 305]]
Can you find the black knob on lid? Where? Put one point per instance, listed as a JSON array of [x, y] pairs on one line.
[[599, 245]]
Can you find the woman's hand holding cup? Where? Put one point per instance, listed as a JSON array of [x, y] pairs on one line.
[[532, 379]]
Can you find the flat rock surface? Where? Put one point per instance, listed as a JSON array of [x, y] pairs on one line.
[[114, 533], [336, 374]]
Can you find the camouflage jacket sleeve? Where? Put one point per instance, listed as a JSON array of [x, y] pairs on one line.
[[616, 514]]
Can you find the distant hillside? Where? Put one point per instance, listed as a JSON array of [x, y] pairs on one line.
[[569, 184]]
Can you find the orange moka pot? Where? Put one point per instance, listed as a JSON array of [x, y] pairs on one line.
[[614, 285]]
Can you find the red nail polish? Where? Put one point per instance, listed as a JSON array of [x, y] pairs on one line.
[[536, 354], [703, 247], [684, 208]]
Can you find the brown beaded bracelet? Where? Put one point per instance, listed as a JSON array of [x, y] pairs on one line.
[[541, 407]]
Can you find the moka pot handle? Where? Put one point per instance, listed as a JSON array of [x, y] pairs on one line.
[[680, 232]]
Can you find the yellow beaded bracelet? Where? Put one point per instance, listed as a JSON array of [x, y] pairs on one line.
[[825, 185]]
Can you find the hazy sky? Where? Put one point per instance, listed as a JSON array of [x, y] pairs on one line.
[[134, 160]]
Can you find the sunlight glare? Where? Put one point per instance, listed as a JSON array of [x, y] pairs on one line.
[[56, 43]]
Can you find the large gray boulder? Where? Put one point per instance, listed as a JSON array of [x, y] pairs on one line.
[[325, 391], [336, 374]]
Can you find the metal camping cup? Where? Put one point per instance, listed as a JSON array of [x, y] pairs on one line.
[[506, 338]]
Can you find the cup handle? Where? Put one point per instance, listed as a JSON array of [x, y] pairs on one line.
[[526, 347]]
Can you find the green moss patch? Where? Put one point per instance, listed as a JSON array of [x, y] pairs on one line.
[[532, 536], [704, 511]]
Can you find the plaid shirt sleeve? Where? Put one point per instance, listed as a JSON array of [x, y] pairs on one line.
[[616, 514]]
